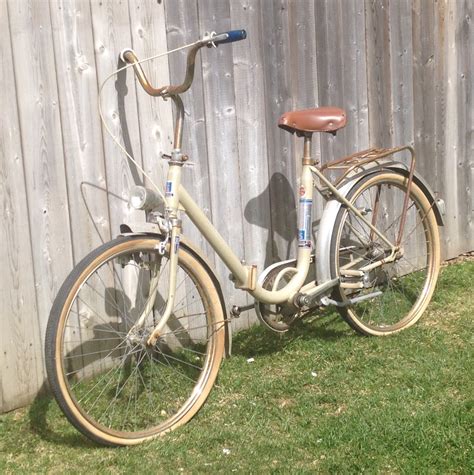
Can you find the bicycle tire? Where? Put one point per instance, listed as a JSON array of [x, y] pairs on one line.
[[401, 290], [111, 386]]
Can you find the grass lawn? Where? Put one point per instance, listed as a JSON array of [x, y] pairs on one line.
[[319, 399]]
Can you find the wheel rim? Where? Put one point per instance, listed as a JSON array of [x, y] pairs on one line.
[[117, 384], [406, 285]]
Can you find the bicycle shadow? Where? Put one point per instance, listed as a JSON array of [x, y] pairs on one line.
[[281, 225], [42, 410], [324, 324], [122, 91], [97, 198], [39, 415], [261, 341], [43, 413]]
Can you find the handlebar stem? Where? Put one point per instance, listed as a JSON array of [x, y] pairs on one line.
[[178, 128]]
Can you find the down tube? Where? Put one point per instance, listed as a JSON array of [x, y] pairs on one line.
[[212, 236], [233, 263]]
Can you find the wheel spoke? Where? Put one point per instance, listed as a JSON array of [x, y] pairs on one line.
[[403, 281], [115, 380]]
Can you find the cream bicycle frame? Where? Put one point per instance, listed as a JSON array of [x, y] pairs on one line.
[[245, 277], [177, 198]]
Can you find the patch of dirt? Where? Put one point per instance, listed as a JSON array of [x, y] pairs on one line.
[[466, 256]]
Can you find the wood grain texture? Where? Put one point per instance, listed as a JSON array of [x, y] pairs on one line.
[[424, 82], [281, 163], [464, 41], [83, 152], [42, 142], [183, 28], [443, 176], [378, 72], [147, 19], [221, 138], [251, 134], [111, 33], [21, 364], [401, 73]]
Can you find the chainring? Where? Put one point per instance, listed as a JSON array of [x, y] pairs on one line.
[[277, 317]]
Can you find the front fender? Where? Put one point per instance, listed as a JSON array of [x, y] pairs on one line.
[[151, 229]]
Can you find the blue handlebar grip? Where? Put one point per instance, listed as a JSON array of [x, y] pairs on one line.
[[233, 35]]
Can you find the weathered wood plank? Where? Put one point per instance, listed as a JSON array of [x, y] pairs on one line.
[[111, 30], [424, 84], [461, 35], [303, 66], [354, 75], [43, 151], [20, 341], [378, 72], [330, 71], [81, 128], [277, 90], [155, 115], [401, 72], [221, 136], [183, 28], [440, 174], [251, 127], [83, 151]]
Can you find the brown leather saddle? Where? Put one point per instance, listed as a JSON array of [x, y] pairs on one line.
[[320, 119]]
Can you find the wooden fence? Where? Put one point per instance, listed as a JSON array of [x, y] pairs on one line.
[[403, 71]]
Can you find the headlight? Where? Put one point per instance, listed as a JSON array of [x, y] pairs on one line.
[[144, 198]]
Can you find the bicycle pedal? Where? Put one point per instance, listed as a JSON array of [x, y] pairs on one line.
[[236, 310]]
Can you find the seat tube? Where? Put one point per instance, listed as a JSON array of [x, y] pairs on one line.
[[305, 202]]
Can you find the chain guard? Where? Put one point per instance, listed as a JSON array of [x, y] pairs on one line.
[[277, 317]]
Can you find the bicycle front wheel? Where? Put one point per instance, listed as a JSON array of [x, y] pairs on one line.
[[394, 294], [111, 385]]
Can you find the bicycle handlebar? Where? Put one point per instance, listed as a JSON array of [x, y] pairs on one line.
[[129, 56], [229, 37]]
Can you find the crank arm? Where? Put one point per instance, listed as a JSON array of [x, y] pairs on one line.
[[326, 301], [312, 296]]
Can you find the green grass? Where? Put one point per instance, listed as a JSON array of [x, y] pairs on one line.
[[320, 399]]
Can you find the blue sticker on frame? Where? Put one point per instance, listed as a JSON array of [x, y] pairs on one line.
[[304, 225], [169, 189]]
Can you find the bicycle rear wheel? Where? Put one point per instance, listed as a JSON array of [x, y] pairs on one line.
[[111, 385], [395, 294]]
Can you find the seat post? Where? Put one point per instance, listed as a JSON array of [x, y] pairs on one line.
[[307, 160]]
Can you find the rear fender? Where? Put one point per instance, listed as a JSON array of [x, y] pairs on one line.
[[153, 230], [328, 219]]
